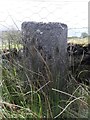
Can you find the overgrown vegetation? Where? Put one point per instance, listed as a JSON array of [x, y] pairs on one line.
[[23, 95]]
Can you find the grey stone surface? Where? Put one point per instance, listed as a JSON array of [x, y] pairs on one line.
[[45, 44]]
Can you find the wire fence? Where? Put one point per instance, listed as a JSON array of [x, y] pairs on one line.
[[71, 13]]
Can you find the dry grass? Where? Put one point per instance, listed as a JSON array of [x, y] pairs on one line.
[[82, 41]]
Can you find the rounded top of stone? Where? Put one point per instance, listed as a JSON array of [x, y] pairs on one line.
[[48, 25]]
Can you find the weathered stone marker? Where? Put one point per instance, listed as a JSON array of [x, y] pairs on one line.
[[45, 49]]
